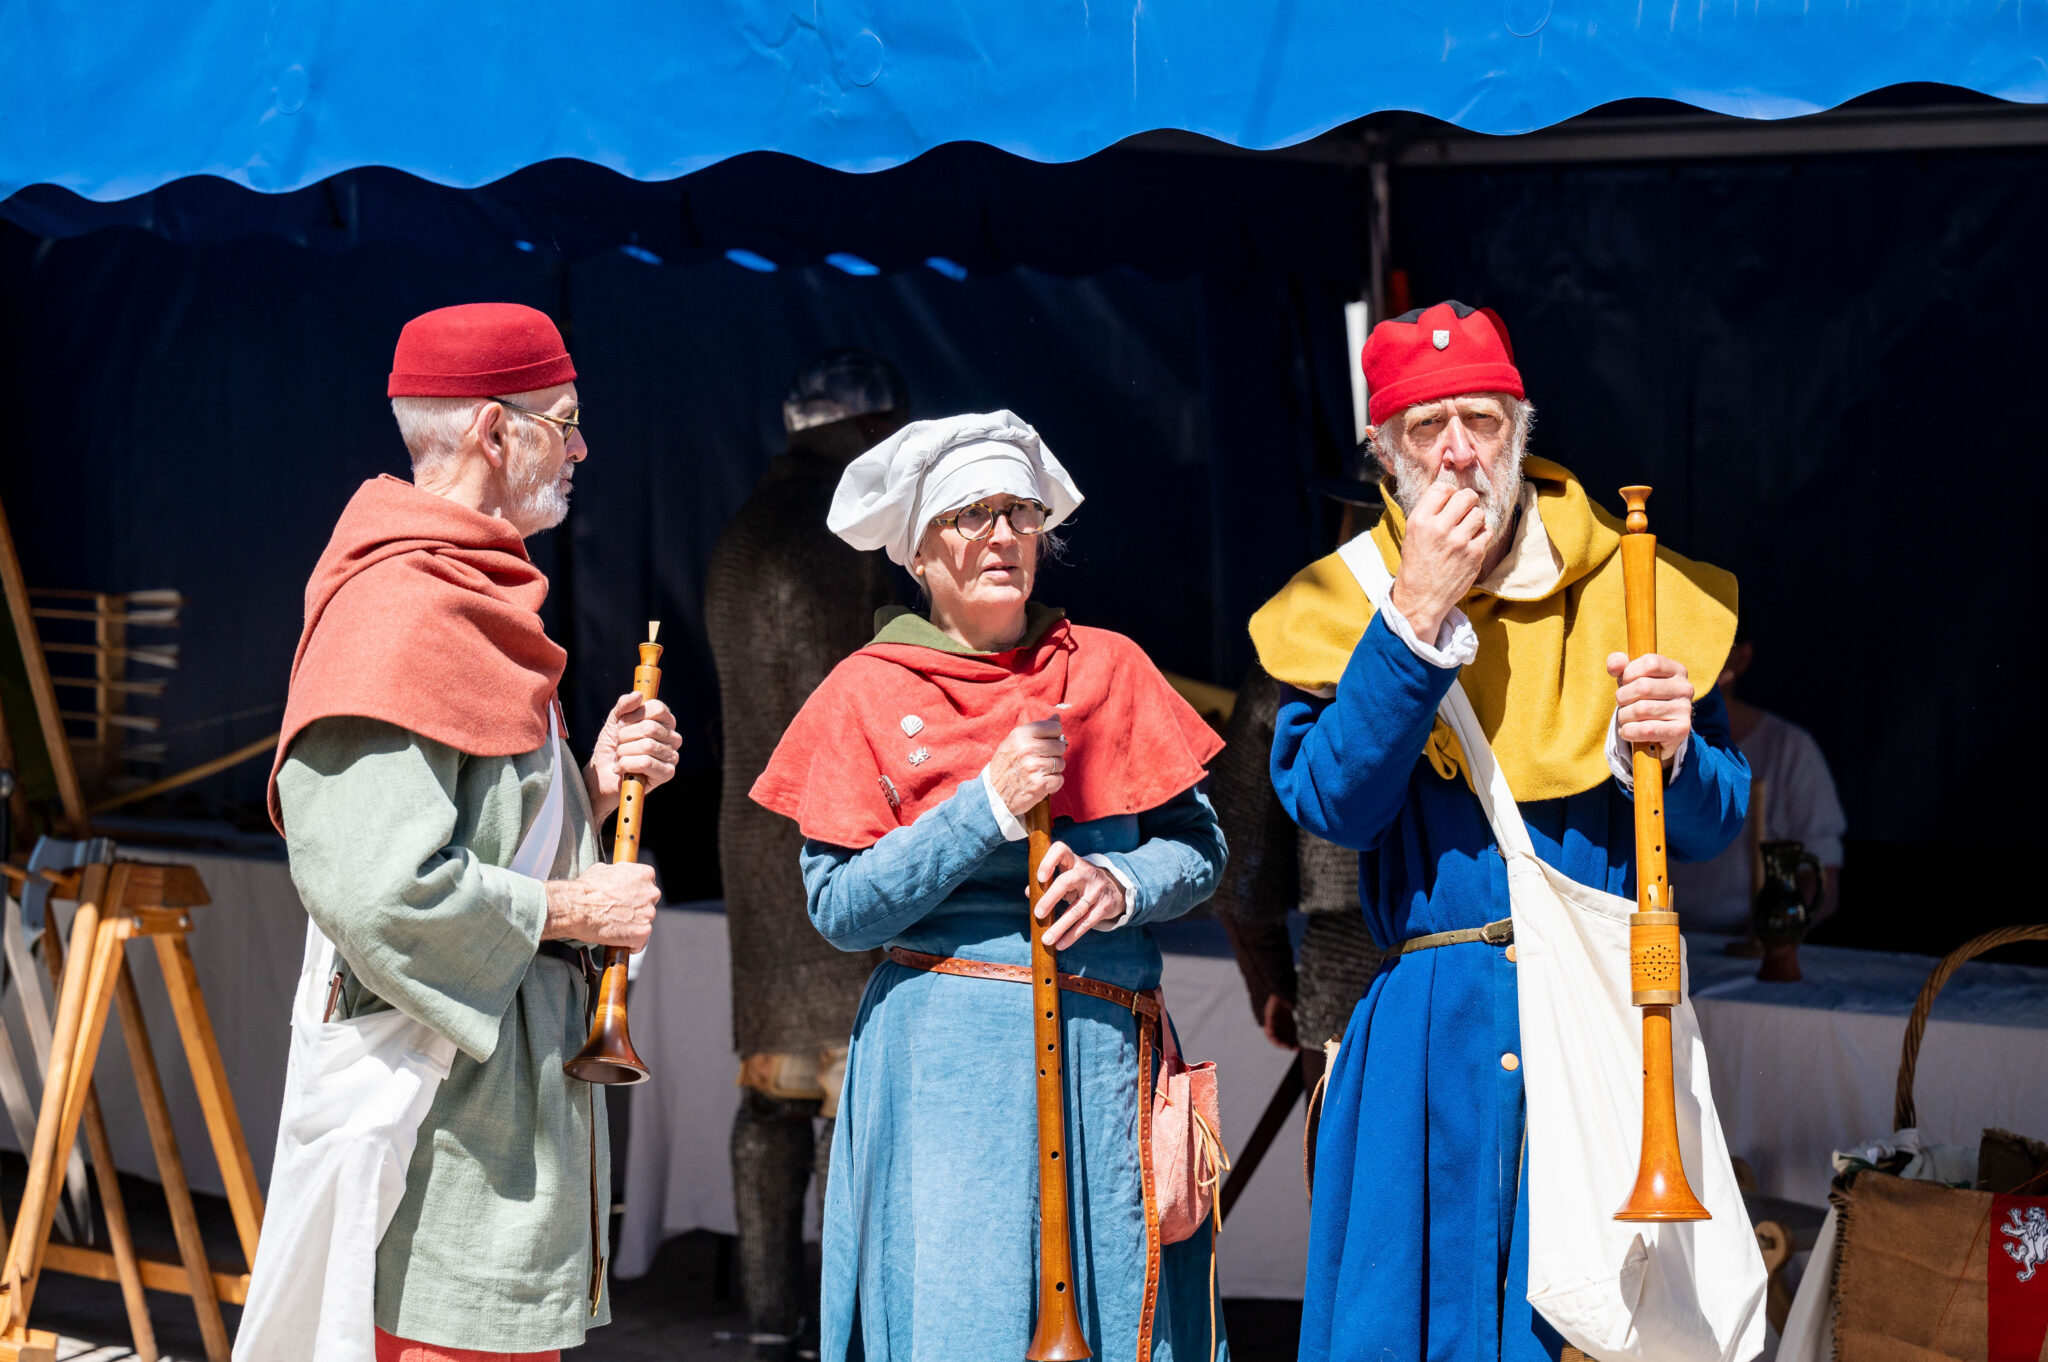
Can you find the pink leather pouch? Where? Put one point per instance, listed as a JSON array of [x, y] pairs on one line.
[[1188, 1158]]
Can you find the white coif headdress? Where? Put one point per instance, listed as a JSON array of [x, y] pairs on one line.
[[888, 495]]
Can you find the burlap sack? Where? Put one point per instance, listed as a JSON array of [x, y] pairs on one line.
[[1910, 1272]]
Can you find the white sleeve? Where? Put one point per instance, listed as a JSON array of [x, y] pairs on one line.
[[1130, 888], [1457, 643], [1619, 755]]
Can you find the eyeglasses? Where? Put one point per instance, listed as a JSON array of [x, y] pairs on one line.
[[979, 520], [568, 424]]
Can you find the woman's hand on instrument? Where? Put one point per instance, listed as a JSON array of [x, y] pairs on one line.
[[1441, 554], [1653, 702], [1028, 765], [1092, 895], [639, 739], [607, 905]]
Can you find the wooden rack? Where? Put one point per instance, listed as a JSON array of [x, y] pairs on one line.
[[105, 748], [116, 903]]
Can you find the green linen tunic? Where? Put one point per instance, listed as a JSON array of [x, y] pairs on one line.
[[398, 848]]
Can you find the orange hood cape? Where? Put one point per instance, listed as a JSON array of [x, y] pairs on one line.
[[897, 727], [422, 613]]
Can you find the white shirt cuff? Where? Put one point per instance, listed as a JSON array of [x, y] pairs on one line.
[[1620, 755], [1456, 644], [1007, 822], [1130, 888]]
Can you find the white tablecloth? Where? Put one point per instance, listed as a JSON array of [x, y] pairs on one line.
[[678, 1170], [247, 945], [1803, 1069]]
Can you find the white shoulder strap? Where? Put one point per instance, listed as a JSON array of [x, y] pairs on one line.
[[1362, 556], [536, 853]]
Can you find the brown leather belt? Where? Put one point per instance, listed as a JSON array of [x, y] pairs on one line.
[[1144, 1006]]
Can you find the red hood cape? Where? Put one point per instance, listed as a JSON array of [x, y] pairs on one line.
[[849, 770], [422, 613]]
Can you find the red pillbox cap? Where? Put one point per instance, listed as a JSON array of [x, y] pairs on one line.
[[478, 350], [1437, 352]]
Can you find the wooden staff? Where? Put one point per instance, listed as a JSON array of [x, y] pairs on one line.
[[1058, 1336], [608, 1056], [1661, 1191]]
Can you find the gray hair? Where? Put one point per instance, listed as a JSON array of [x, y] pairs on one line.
[[433, 427]]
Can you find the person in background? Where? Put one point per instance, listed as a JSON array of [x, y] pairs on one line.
[[784, 601], [1792, 799]]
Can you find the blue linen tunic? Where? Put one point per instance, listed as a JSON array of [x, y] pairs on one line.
[[931, 1211], [1418, 1234]]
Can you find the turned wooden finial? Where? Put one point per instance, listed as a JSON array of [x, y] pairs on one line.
[[1638, 519]]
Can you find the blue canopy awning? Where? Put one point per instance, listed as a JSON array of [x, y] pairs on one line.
[[279, 94]]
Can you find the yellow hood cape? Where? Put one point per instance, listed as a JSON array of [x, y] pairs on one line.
[[1539, 684]]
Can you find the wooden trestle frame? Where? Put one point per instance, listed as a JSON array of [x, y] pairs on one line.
[[116, 903]]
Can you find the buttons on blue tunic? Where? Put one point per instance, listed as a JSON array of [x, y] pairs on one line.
[[1510, 1061]]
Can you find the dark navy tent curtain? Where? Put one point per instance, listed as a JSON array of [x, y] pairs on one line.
[[1780, 346], [960, 209], [204, 409], [213, 220]]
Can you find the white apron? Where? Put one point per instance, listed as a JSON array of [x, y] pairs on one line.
[[354, 1096], [1691, 1292]]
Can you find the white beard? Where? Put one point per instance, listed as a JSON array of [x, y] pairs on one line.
[[538, 500], [1497, 495]]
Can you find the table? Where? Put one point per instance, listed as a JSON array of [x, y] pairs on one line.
[[1803, 1069], [1799, 1071], [678, 1170]]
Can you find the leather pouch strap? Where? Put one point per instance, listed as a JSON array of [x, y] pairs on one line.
[[1498, 933]]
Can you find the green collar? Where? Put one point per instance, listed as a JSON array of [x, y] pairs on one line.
[[901, 624]]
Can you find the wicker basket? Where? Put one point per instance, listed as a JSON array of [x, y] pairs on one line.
[[1910, 1281]]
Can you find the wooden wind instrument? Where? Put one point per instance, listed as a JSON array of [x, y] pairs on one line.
[[1661, 1191], [608, 1056], [1058, 1335]]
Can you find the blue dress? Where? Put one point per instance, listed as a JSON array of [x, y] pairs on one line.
[[931, 1211], [1418, 1235]]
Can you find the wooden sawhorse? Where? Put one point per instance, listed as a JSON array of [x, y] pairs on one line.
[[115, 903]]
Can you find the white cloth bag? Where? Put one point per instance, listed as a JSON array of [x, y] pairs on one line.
[[1690, 1292], [355, 1094]]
